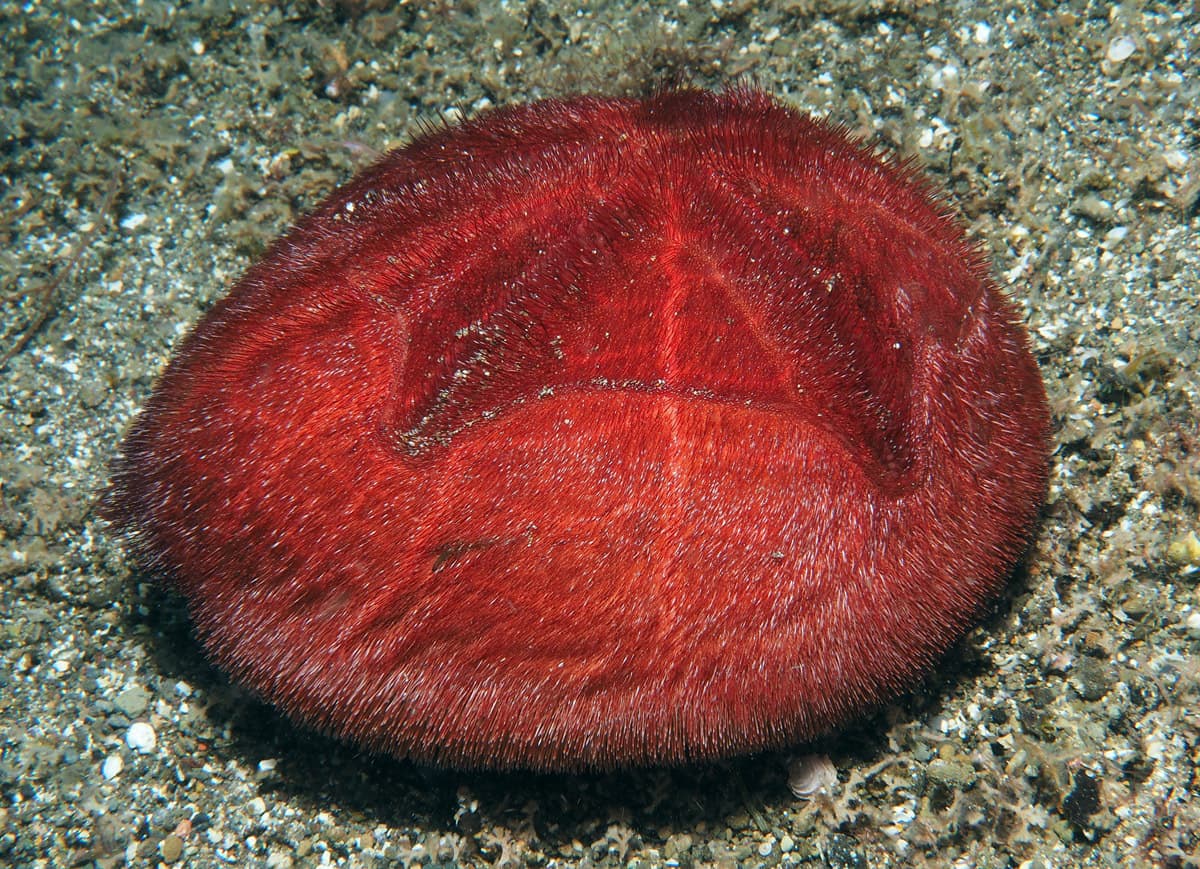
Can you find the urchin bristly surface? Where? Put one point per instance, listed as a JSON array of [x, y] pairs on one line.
[[596, 432]]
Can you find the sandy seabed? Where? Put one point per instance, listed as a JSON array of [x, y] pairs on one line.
[[150, 152]]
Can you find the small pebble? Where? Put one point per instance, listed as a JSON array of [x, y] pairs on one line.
[[952, 772], [1115, 236], [133, 701], [1185, 550], [141, 737], [112, 766], [1093, 679], [1121, 49], [171, 848], [134, 221]]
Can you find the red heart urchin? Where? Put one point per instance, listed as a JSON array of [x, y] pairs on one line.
[[596, 432]]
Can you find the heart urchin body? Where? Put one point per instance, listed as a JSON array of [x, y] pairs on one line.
[[596, 432]]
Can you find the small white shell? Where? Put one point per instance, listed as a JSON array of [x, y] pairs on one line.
[[810, 774], [1121, 48], [141, 737]]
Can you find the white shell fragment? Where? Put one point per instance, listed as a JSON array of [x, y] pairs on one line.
[[1121, 48], [810, 774], [112, 766], [141, 737]]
